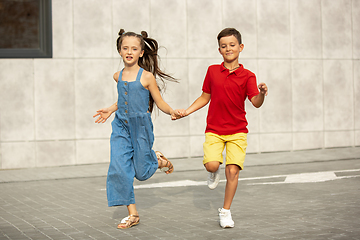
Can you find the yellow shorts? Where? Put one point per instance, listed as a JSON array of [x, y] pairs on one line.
[[235, 148]]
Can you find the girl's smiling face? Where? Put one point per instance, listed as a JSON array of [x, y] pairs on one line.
[[230, 48], [130, 50]]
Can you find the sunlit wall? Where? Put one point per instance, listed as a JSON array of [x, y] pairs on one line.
[[307, 51]]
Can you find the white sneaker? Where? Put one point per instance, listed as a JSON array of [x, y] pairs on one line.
[[213, 179], [225, 219]]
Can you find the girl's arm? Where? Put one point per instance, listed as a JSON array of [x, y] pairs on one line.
[[150, 84], [105, 113], [258, 100]]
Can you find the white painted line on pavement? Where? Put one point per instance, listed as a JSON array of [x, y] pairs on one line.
[[313, 177]]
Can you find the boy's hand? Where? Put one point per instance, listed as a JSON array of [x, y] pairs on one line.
[[182, 112], [263, 89], [103, 114], [175, 115], [178, 113]]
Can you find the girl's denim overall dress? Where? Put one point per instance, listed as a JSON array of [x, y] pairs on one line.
[[131, 142]]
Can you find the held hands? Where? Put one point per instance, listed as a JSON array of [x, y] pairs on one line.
[[178, 113], [175, 114], [263, 89], [103, 114]]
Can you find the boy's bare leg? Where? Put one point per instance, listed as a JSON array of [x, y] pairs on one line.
[[212, 166], [232, 176]]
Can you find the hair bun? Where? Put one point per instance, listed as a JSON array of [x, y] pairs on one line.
[[144, 34], [121, 32]]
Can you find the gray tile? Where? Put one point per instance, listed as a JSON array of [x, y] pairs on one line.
[[55, 153], [17, 100], [356, 69], [172, 147], [92, 151], [308, 140], [93, 91], [273, 29], [306, 35], [17, 155], [337, 45], [275, 142], [307, 81], [242, 15], [253, 140], [338, 139], [92, 29], [140, 19], [168, 26], [62, 23], [276, 113], [355, 10], [54, 99], [196, 145], [338, 95], [203, 26]]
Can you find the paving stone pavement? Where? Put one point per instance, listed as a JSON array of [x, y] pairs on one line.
[[298, 195]]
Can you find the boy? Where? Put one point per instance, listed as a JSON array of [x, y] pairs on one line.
[[227, 86]]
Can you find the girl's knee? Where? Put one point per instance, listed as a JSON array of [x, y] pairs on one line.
[[141, 178], [144, 175]]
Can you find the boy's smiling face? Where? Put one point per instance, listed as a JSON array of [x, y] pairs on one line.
[[230, 48]]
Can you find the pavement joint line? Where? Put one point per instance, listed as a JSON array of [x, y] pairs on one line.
[[312, 177]]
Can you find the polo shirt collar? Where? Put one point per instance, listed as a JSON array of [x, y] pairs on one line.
[[236, 72]]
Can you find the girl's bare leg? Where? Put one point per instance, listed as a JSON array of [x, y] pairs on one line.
[[133, 218], [132, 209]]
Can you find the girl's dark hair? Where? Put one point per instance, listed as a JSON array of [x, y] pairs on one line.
[[150, 59], [229, 32]]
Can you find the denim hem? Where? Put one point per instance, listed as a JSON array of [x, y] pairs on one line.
[[120, 202]]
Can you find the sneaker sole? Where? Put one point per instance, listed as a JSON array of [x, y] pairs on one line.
[[227, 226]]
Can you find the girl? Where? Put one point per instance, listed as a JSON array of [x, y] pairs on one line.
[[132, 130]]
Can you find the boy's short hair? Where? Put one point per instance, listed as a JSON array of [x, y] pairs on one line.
[[229, 32]]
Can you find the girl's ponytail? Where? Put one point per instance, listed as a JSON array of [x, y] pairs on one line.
[[150, 62]]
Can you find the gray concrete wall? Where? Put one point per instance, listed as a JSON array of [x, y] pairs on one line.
[[307, 51]]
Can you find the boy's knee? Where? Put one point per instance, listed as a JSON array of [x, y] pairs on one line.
[[212, 166], [232, 171]]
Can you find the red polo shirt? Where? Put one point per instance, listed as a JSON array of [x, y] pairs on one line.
[[228, 91]]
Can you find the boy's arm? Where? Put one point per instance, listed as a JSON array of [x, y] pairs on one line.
[[198, 103], [258, 100]]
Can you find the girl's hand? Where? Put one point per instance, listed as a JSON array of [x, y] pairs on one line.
[[263, 89], [103, 114], [179, 113], [175, 114]]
